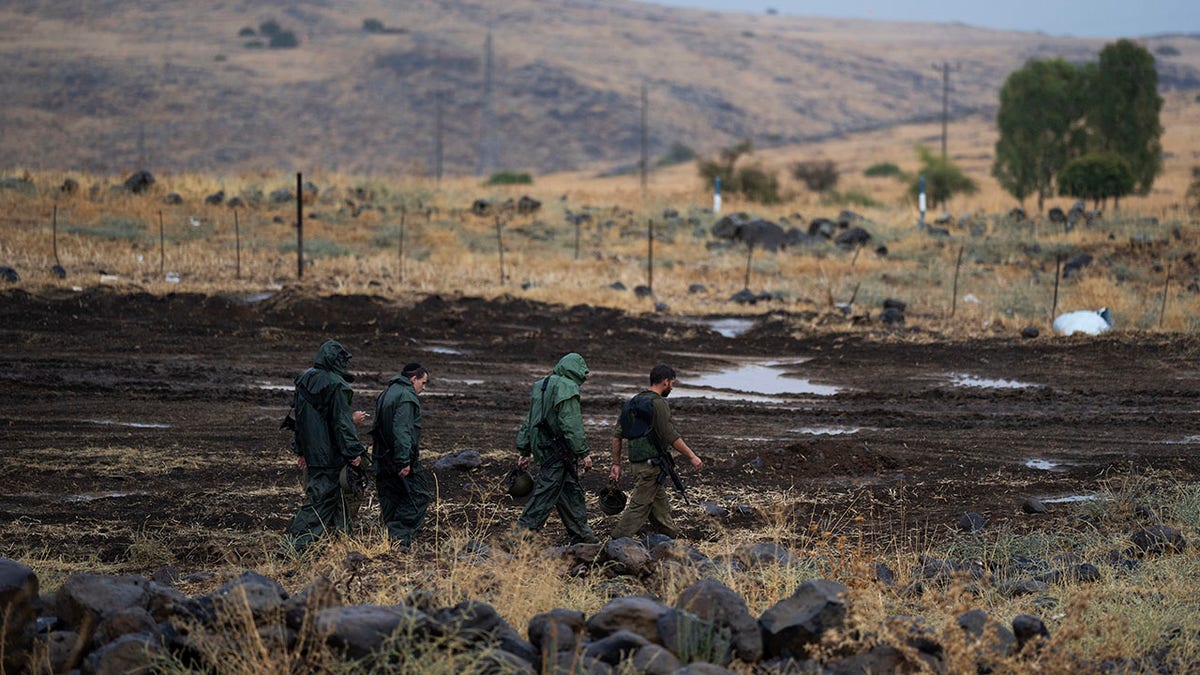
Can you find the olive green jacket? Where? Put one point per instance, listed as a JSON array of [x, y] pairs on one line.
[[397, 429], [559, 404], [325, 434]]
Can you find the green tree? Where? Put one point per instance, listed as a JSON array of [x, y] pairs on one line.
[[943, 179], [752, 181], [1124, 108], [1040, 108], [1097, 176]]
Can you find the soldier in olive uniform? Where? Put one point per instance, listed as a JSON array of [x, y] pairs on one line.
[[648, 501], [325, 443], [400, 480], [552, 435]]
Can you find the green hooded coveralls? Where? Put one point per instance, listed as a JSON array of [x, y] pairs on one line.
[[327, 439], [557, 486], [403, 500]]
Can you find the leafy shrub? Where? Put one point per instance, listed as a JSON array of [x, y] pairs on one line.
[[678, 153], [283, 40], [1166, 50], [317, 247], [943, 179], [1097, 177], [373, 25], [882, 170], [820, 175], [758, 185], [509, 178], [246, 31], [269, 27], [253, 44]]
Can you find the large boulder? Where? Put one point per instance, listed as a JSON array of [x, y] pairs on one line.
[[558, 630], [139, 182], [19, 606], [625, 556], [479, 624], [253, 592], [635, 614], [360, 630], [1158, 539], [464, 460], [651, 659], [855, 236], [713, 601], [991, 640], [694, 639], [134, 654], [616, 647], [763, 555], [87, 599], [800, 620]]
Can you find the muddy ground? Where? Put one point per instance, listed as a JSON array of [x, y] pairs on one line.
[[128, 415]]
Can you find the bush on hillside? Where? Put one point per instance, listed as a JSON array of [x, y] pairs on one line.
[[509, 178], [820, 175], [882, 170], [283, 40]]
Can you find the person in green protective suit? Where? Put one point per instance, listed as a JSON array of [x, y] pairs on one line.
[[648, 501], [552, 435], [325, 443], [400, 481]]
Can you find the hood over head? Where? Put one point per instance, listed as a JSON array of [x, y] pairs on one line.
[[572, 366], [332, 356]]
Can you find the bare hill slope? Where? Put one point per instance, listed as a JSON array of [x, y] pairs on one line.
[[107, 85]]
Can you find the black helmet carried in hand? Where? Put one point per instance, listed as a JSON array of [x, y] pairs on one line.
[[520, 483], [612, 500]]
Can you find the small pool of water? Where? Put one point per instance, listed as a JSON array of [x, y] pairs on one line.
[[276, 387], [1070, 499], [967, 380], [1046, 464], [135, 425], [256, 297], [93, 496], [436, 349], [826, 431], [730, 327], [769, 378]]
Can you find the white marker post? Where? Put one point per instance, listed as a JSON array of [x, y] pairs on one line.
[[921, 204], [717, 195]]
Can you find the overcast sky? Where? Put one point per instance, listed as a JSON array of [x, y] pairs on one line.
[[1089, 18]]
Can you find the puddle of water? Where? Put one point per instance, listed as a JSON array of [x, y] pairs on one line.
[[597, 422], [730, 327], [1043, 464], [442, 350], [1070, 499], [826, 431], [684, 392], [135, 425], [276, 387], [1183, 441], [966, 380], [257, 297], [93, 496], [763, 378]]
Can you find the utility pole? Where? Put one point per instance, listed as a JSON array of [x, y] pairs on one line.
[[645, 162], [437, 141], [945, 68], [488, 152]]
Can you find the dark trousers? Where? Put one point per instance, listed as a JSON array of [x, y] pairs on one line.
[[403, 502], [558, 488], [325, 508]]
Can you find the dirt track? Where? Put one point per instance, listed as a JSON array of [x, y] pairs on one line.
[[135, 413]]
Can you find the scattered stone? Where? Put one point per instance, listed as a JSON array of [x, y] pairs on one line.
[[711, 600], [1028, 628], [800, 620], [281, 196], [1075, 264], [173, 199], [559, 630], [697, 288], [1056, 215], [215, 199], [464, 460], [617, 286], [70, 186], [972, 522], [1019, 587], [764, 555], [885, 575], [527, 205], [715, 510], [636, 614], [744, 297], [652, 659], [137, 653], [359, 630], [1158, 539], [661, 307], [892, 316], [855, 236], [626, 555], [614, 648], [643, 291], [1033, 505], [9, 274], [1030, 332], [19, 605], [139, 182]]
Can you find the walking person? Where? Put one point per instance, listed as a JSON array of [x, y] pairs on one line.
[[648, 501], [552, 435], [325, 443], [400, 480]]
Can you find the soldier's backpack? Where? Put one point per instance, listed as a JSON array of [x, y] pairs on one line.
[[637, 417]]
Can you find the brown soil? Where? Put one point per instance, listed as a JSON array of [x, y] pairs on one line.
[[85, 367]]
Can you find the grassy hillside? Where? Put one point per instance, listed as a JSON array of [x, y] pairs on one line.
[[109, 86]]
